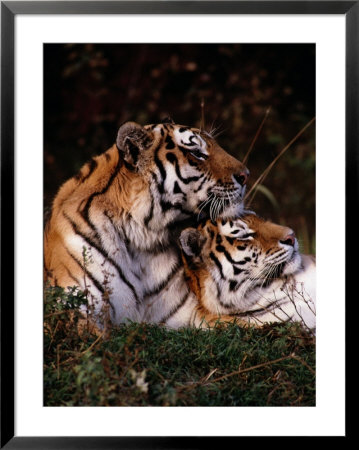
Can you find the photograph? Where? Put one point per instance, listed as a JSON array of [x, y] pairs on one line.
[[179, 224]]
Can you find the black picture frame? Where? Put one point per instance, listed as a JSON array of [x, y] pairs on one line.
[[9, 10]]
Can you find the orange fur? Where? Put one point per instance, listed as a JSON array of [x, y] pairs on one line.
[[266, 238], [196, 280], [122, 205]]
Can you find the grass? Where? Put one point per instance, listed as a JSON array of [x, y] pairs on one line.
[[147, 365]]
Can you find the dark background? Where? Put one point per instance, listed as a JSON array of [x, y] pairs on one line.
[[90, 89]]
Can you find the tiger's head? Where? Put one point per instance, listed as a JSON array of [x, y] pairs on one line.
[[188, 172], [228, 259]]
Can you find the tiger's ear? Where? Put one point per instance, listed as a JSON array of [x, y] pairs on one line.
[[192, 242], [168, 120], [131, 140]]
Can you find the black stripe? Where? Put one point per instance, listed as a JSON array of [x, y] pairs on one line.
[[277, 255], [241, 247], [163, 173], [228, 306], [169, 142], [230, 240], [126, 240], [173, 159], [105, 255], [237, 270], [92, 166], [164, 283], [264, 310], [177, 189], [176, 308], [247, 235], [193, 163], [190, 143], [87, 272], [71, 275], [201, 185], [129, 166], [150, 213], [233, 285], [85, 211], [241, 263], [86, 238], [218, 264], [122, 234], [229, 258], [184, 150], [166, 206]]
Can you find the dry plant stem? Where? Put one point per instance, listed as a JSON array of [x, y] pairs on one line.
[[202, 115], [58, 313], [207, 377], [261, 178], [304, 363], [135, 361], [53, 335], [58, 361], [67, 361], [256, 136], [79, 354], [249, 369], [94, 343]]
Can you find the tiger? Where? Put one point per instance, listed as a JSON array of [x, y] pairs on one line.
[[114, 227], [248, 269]]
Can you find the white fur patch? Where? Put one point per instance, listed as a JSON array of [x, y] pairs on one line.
[[190, 140]]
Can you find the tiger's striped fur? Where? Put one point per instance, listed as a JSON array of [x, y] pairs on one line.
[[251, 269], [114, 226]]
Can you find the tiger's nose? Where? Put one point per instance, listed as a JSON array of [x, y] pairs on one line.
[[242, 177], [289, 240]]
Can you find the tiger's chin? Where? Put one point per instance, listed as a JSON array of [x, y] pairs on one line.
[[293, 265]]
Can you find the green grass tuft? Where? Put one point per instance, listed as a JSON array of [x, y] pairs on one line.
[[147, 365]]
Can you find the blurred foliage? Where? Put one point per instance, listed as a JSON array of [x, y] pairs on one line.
[[90, 89]]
